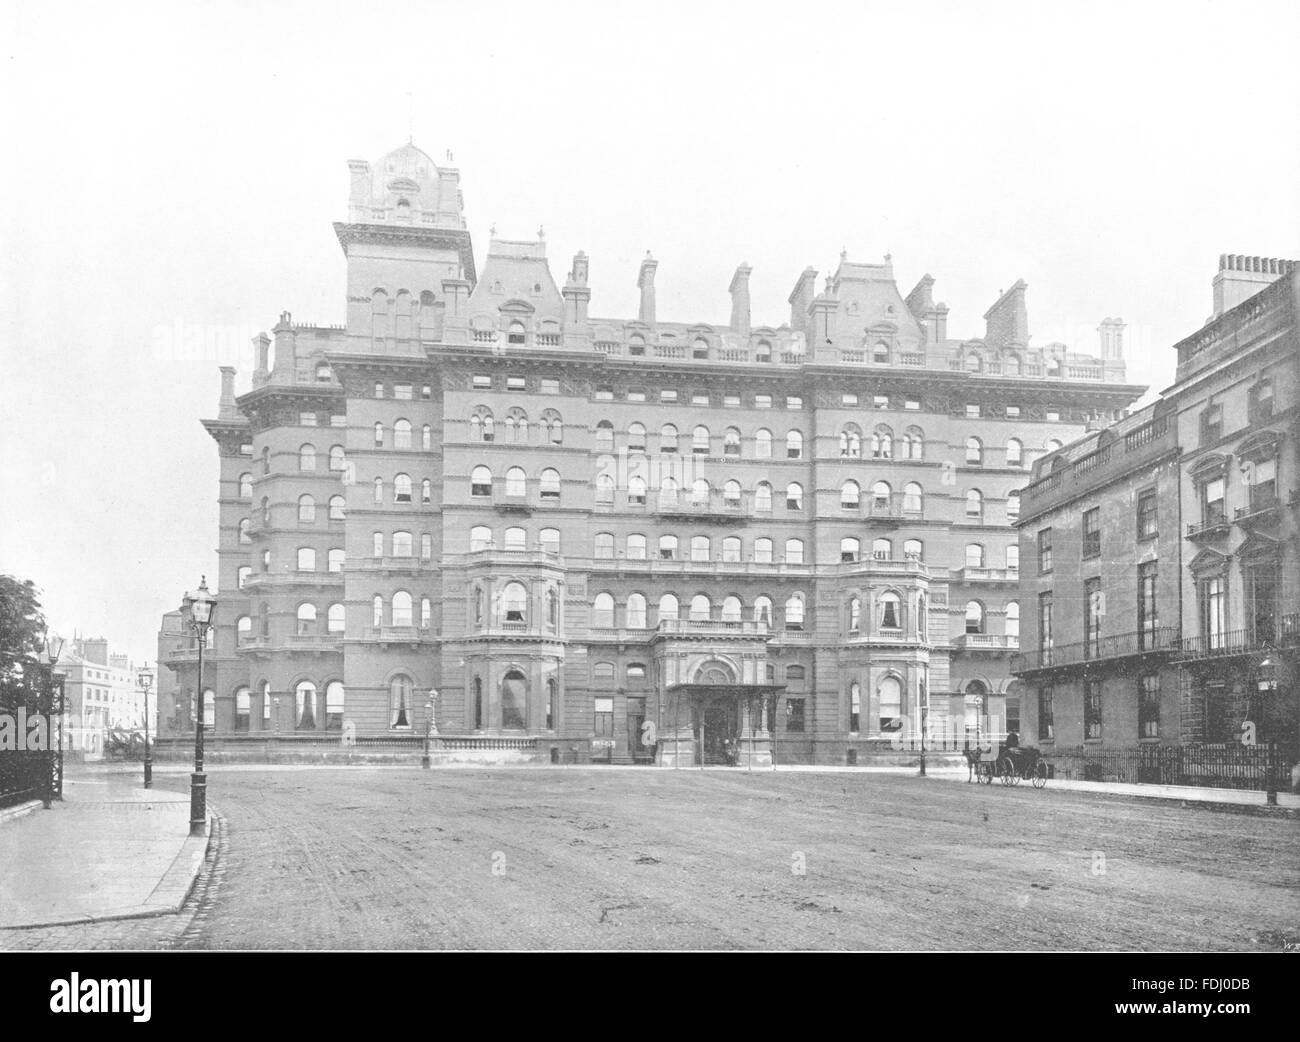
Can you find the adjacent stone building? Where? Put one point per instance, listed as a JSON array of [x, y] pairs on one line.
[[1163, 553], [626, 538]]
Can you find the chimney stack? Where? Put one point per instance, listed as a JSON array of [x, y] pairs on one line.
[[739, 290], [801, 298], [226, 407], [1007, 321], [1112, 339], [646, 280], [1240, 277]]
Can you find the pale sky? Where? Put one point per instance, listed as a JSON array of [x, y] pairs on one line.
[[172, 170]]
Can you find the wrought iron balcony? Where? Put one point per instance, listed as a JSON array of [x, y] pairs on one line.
[[1108, 648], [716, 507], [1264, 508], [1211, 528], [1229, 643]]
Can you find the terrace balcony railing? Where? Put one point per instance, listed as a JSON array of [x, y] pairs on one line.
[[1105, 648]]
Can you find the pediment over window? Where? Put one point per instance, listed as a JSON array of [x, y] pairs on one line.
[[882, 328], [1260, 445], [516, 306], [1259, 548], [404, 184], [1209, 562], [1211, 466]]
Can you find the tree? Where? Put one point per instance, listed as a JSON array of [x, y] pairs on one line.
[[22, 629]]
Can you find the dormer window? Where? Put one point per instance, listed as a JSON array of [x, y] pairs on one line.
[[515, 335]]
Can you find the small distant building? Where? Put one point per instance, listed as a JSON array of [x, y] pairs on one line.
[[101, 692]]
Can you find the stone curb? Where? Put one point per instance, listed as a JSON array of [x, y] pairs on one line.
[[19, 810], [167, 898]]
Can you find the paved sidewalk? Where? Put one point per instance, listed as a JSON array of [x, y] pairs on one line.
[[110, 850]]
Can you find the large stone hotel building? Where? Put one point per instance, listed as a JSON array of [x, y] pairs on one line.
[[786, 541]]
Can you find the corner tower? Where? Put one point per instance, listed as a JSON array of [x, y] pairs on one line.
[[405, 238]]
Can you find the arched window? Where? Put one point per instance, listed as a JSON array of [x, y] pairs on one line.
[[913, 550], [890, 694], [636, 612], [516, 483], [974, 617], [850, 495], [377, 544], [667, 438], [306, 509], [668, 492], [880, 496], [377, 611], [974, 503], [245, 535], [850, 548], [338, 460], [266, 460], [1012, 624], [636, 490], [794, 496], [244, 629], [426, 438], [335, 619], [402, 609], [700, 349], [700, 441], [400, 691], [402, 434], [732, 609], [731, 493], [552, 608], [701, 608], [974, 555], [604, 488], [480, 481], [334, 705], [794, 612], [636, 437], [699, 548], [763, 443], [922, 618], [245, 486], [636, 547], [882, 443], [604, 546], [1011, 365], [794, 445], [602, 611], [882, 549], [515, 333], [763, 351], [891, 612], [549, 484], [763, 497], [913, 443], [731, 442], [304, 695], [974, 451], [307, 457], [912, 498], [700, 492], [379, 490], [850, 443], [794, 551], [974, 363], [855, 614], [480, 538], [306, 559], [379, 433], [338, 508], [1013, 506], [1015, 453], [668, 607], [667, 548], [605, 437], [516, 539], [1052, 445], [763, 550], [402, 488], [1013, 557], [514, 604], [243, 705], [763, 610], [306, 620], [880, 353], [731, 548], [426, 491]]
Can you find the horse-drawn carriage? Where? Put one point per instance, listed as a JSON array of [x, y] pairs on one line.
[[1012, 765]]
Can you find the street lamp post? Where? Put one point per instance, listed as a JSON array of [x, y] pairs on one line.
[[430, 729], [53, 707], [200, 607], [145, 678], [1266, 673]]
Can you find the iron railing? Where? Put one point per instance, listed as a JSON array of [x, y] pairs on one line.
[[1227, 766], [1103, 648]]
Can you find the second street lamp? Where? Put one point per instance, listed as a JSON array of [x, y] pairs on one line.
[[145, 678], [200, 607]]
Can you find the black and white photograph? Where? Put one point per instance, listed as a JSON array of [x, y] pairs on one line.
[[652, 478]]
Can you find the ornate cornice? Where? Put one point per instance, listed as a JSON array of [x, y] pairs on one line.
[[457, 239]]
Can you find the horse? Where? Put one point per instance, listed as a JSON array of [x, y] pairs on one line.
[[973, 757]]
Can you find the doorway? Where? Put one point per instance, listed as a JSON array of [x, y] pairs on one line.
[[720, 726]]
